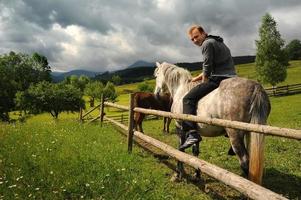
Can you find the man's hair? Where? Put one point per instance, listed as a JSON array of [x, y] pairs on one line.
[[195, 27]]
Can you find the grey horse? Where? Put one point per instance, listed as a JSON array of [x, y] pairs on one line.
[[236, 99]]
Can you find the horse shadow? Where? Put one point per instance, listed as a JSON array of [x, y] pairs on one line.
[[282, 183], [279, 182], [210, 186]]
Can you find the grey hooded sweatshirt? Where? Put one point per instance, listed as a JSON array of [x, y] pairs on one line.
[[217, 58]]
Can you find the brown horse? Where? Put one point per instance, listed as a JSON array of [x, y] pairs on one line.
[[150, 101]]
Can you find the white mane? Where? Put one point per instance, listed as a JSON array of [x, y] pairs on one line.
[[174, 76]]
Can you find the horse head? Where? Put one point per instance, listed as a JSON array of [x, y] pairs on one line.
[[161, 87], [169, 78]]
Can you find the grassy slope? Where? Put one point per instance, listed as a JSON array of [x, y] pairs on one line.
[[61, 159], [66, 160], [283, 162]]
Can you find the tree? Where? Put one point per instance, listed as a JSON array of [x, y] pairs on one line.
[[17, 72], [271, 60], [94, 90], [83, 80], [40, 64], [116, 79], [293, 49], [145, 87], [49, 97], [74, 81], [109, 92], [8, 88]]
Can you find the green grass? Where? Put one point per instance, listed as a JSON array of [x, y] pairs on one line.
[[66, 160], [293, 73], [62, 159]]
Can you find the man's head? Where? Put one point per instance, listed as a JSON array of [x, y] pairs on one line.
[[197, 35]]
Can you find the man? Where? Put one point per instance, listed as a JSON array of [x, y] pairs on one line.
[[217, 66]]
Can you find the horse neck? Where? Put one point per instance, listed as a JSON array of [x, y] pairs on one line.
[[181, 88]]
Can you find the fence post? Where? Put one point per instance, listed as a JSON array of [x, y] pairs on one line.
[[274, 90], [81, 114], [101, 109], [131, 123], [256, 155]]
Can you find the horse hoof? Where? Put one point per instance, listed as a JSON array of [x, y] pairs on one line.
[[175, 178], [196, 179], [245, 169], [231, 152], [206, 189]]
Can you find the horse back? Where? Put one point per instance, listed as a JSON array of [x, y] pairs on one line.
[[149, 100], [233, 100]]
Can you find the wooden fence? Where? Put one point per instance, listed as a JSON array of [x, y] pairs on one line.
[[122, 118], [248, 188], [284, 90]]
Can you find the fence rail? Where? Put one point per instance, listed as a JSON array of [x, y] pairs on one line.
[[238, 183], [284, 90], [263, 129], [245, 186]]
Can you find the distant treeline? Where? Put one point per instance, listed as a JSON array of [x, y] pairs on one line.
[[137, 74]]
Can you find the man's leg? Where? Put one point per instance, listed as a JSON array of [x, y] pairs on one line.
[[189, 107]]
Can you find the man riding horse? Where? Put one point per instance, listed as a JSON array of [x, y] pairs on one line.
[[217, 66]]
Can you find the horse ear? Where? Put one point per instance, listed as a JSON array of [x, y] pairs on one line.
[[158, 64]]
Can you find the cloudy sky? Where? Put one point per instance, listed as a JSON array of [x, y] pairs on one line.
[[101, 35]]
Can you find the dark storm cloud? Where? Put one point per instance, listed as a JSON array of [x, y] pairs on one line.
[[102, 35]]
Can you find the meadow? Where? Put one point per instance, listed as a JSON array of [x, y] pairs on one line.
[[44, 158]]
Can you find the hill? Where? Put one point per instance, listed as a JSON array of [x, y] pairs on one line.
[[59, 76], [129, 75], [141, 63], [136, 72]]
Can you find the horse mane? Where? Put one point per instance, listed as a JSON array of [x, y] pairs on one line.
[[175, 75]]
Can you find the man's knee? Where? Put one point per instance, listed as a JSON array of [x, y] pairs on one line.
[[189, 101]]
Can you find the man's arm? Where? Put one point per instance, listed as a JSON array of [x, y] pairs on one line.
[[208, 54], [200, 77]]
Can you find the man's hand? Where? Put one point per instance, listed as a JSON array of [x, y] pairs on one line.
[[205, 79], [197, 78]]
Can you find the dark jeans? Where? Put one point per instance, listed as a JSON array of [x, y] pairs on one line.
[[194, 95]]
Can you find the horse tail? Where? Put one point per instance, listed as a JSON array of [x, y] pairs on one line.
[[260, 105]]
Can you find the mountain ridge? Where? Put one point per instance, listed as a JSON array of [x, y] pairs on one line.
[[138, 71]]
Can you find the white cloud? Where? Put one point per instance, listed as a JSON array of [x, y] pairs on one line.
[[106, 35]]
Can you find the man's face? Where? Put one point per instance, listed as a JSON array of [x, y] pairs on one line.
[[197, 38]]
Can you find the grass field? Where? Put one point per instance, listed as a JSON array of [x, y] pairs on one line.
[[45, 158], [66, 160]]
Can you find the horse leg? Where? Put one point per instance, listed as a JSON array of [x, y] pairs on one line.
[[164, 124], [231, 152], [180, 166], [140, 119], [168, 120], [135, 121], [196, 152], [237, 141]]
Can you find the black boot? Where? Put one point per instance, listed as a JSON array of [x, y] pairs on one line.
[[193, 137]]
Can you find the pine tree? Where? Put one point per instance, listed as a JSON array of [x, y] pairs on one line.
[[271, 60], [293, 49]]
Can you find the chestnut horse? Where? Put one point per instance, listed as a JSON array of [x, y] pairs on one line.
[[150, 101]]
